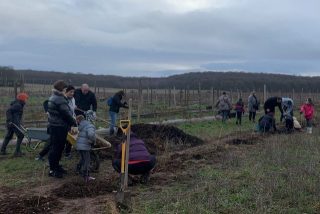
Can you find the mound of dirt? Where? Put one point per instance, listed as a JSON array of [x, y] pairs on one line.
[[32, 204], [162, 137], [80, 189], [244, 139]]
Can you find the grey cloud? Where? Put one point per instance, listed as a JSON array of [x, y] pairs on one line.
[[137, 37]]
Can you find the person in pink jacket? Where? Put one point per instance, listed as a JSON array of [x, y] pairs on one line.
[[308, 110]]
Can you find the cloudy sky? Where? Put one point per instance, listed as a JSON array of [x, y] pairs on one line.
[[161, 37]]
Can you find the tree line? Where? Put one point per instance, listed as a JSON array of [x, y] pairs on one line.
[[205, 80]]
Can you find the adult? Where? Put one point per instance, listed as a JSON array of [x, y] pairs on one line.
[[60, 121], [287, 107], [253, 106], [267, 122], [71, 102], [140, 160], [271, 103], [14, 117], [115, 105], [85, 100], [224, 106]]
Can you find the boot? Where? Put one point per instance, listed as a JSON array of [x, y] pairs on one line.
[[18, 152], [4, 146], [309, 130]]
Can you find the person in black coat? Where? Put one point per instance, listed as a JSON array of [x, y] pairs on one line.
[[115, 106], [85, 100], [267, 122], [60, 121], [14, 116], [271, 103]]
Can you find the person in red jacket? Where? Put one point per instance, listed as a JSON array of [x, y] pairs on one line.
[[308, 110]]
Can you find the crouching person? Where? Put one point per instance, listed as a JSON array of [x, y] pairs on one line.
[[140, 160], [267, 123], [86, 139]]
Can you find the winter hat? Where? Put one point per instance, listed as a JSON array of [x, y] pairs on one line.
[[22, 97], [69, 88], [60, 85]]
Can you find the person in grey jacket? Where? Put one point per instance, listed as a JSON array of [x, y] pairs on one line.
[[253, 106], [224, 106], [86, 139]]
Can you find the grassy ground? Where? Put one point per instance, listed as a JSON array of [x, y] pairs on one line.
[[279, 175]]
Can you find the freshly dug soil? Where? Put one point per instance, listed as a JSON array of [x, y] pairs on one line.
[[80, 189], [33, 204], [159, 138]]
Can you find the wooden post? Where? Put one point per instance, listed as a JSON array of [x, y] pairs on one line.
[[213, 100], [174, 97], [264, 93], [199, 96], [139, 100]]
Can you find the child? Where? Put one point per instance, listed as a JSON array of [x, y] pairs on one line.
[[308, 110], [14, 116], [86, 139], [239, 110], [267, 122]]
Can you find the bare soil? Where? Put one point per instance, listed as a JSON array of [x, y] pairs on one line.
[[178, 155]]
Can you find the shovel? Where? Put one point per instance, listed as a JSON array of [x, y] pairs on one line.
[[123, 196]]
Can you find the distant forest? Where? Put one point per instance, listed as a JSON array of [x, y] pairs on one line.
[[207, 80]]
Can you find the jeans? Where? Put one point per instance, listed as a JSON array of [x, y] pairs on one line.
[[239, 117], [252, 115], [58, 138], [113, 117], [84, 163], [225, 115], [9, 136]]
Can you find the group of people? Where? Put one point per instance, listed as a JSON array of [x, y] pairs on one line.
[[224, 106], [267, 121], [67, 109]]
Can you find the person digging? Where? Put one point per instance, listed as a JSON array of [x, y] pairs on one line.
[[14, 117], [141, 162]]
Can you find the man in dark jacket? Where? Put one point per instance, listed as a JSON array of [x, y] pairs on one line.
[[14, 116], [271, 103], [115, 106], [140, 160], [85, 100], [60, 121]]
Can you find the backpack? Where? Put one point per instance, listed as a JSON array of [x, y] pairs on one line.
[[109, 101]]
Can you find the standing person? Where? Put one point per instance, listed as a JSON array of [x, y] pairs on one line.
[[72, 105], [115, 106], [287, 107], [141, 162], [308, 110], [85, 100], [253, 106], [60, 121], [271, 103], [71, 102], [86, 139], [14, 115], [240, 111], [224, 106]]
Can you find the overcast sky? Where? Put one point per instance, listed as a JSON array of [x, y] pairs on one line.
[[161, 37]]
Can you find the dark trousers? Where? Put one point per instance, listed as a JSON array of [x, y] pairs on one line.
[[252, 116], [9, 136], [84, 163], [137, 168], [58, 136], [46, 149], [239, 117]]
